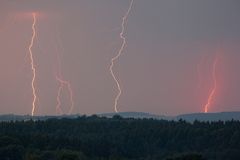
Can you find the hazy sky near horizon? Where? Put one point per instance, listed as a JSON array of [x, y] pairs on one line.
[[166, 66]]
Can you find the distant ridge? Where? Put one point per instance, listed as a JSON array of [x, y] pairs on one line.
[[134, 115], [13, 117], [221, 116]]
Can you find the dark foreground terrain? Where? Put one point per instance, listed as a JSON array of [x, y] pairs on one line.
[[94, 138]]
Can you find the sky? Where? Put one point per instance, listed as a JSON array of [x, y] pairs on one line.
[[165, 68]]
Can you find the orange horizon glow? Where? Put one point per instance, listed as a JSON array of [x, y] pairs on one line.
[[33, 64], [212, 93], [118, 55]]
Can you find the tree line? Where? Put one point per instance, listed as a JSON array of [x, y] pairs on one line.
[[117, 138]]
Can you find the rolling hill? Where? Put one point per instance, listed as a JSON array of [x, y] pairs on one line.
[[221, 116]]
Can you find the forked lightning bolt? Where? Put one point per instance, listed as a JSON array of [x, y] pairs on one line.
[[58, 107], [33, 64], [213, 91], [62, 84], [124, 19], [68, 85]]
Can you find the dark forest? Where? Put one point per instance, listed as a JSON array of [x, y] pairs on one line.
[[117, 138]]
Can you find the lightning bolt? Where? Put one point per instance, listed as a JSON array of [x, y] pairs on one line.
[[124, 19], [58, 107], [69, 88], [212, 93], [33, 64], [62, 84]]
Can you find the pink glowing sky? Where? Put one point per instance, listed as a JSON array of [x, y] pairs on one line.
[[165, 68]]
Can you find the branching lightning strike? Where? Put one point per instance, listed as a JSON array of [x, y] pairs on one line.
[[69, 88], [58, 107], [63, 83], [124, 19], [33, 64], [213, 91]]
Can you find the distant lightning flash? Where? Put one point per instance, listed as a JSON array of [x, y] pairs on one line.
[[33, 64], [63, 83], [58, 107], [211, 96], [124, 19], [68, 85]]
